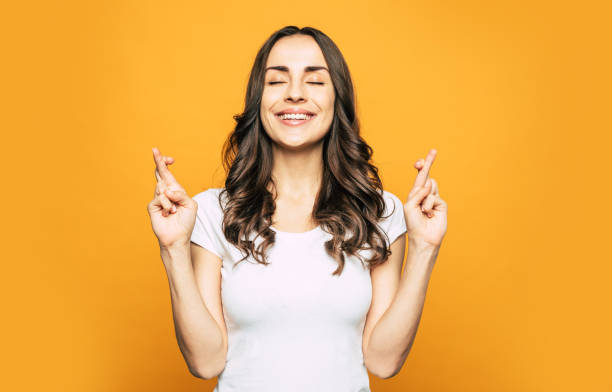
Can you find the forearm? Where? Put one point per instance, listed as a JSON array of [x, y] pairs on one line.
[[198, 335], [393, 335]]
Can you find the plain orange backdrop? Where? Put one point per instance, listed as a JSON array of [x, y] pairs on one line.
[[514, 95]]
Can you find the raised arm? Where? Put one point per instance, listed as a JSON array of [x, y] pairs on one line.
[[199, 333]]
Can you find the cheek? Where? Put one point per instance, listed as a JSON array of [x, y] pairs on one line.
[[327, 103], [264, 114], [265, 102], [265, 108], [327, 100]]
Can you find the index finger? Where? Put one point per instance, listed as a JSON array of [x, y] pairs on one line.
[[162, 168], [421, 178]]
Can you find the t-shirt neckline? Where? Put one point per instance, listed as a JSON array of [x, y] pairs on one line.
[[295, 235]]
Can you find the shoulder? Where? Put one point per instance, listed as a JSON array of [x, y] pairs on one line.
[[207, 194], [393, 222], [209, 200], [392, 202]]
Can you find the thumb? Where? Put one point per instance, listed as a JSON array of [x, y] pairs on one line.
[[421, 194]]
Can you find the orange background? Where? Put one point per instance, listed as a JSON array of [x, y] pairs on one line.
[[515, 96]]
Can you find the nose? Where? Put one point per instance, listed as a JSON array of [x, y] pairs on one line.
[[295, 93]]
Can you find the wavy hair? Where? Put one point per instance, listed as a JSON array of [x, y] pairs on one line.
[[350, 199]]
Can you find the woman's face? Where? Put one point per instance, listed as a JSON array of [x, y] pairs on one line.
[[291, 86]]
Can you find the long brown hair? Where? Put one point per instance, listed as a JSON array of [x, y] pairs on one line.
[[350, 199]]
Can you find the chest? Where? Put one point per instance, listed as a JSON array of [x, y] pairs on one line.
[[297, 286]]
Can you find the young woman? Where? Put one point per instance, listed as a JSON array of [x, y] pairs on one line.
[[289, 278]]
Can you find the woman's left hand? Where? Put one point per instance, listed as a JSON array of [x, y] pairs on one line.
[[425, 211]]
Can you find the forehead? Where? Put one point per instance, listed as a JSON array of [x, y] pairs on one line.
[[296, 52]]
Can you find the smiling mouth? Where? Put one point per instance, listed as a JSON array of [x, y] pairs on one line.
[[295, 119]]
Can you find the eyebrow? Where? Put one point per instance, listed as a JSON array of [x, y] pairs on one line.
[[310, 68]]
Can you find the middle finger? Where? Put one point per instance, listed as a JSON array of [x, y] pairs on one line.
[[162, 168], [169, 161], [424, 172]]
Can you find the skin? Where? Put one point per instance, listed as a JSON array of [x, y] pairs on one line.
[[425, 211], [297, 151], [172, 211], [427, 206], [312, 91], [397, 298]]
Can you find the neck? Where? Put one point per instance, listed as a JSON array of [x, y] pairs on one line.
[[298, 174]]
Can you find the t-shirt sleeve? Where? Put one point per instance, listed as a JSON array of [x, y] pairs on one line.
[[207, 231], [395, 224]]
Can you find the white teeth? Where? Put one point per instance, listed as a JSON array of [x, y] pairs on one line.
[[295, 116]]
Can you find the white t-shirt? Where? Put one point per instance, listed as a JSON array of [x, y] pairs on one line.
[[291, 325]]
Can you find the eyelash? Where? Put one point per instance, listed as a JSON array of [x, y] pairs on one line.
[[319, 83]]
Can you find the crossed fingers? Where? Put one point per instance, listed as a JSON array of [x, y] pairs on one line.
[[161, 170], [421, 178], [165, 180], [424, 167]]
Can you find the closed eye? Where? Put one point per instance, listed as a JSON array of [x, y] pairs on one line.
[[319, 83]]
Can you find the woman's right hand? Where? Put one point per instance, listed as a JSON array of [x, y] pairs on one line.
[[172, 211]]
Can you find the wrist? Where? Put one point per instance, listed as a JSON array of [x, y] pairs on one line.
[[418, 243], [422, 250], [175, 252]]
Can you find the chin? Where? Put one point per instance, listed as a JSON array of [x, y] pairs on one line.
[[294, 140], [294, 144]]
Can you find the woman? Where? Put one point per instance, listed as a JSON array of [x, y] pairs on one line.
[[288, 279]]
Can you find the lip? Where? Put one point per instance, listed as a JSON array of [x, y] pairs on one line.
[[295, 111], [294, 123]]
